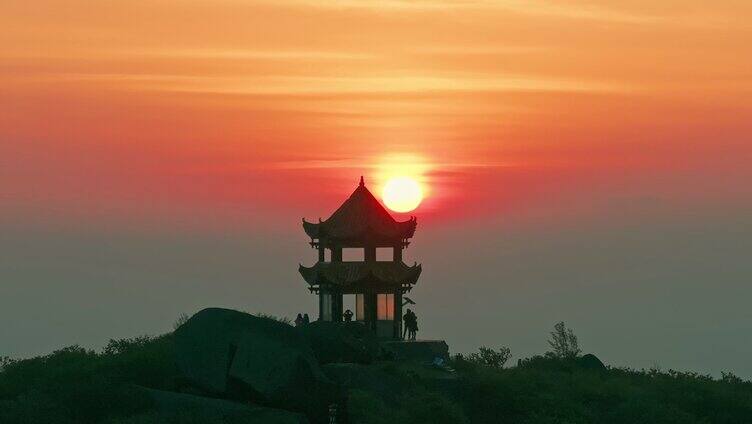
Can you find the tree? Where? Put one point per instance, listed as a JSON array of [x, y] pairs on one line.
[[563, 342], [491, 358]]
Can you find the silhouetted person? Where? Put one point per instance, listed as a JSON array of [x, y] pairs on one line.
[[413, 326], [348, 315], [306, 320], [407, 319], [299, 320]]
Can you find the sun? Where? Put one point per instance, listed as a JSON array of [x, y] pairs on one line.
[[402, 194]]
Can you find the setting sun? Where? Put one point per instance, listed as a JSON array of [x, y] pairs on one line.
[[402, 194]]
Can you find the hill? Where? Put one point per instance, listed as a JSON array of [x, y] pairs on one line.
[[140, 381]]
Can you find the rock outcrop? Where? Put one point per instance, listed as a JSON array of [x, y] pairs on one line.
[[341, 342], [590, 361], [241, 356], [170, 404]]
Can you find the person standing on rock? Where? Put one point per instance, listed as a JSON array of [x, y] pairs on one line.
[[299, 320], [414, 325], [407, 319], [306, 320]]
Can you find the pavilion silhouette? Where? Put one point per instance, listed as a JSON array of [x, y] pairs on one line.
[[362, 223]]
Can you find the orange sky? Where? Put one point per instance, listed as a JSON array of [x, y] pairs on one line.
[[581, 159], [140, 102]]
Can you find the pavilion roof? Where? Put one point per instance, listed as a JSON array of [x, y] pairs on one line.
[[360, 273], [361, 216]]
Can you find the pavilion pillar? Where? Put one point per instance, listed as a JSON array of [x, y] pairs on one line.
[[337, 306], [369, 308], [369, 254], [336, 253], [321, 305], [398, 314], [322, 253], [397, 253], [328, 304]]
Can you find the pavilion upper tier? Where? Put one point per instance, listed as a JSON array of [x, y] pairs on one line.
[[360, 221]]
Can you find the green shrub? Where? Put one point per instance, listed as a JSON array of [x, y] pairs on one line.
[[491, 358], [553, 390], [76, 385]]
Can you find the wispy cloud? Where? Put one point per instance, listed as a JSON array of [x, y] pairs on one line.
[[289, 85], [352, 163], [246, 54], [571, 10]]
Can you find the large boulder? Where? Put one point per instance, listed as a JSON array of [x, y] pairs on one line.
[[241, 356], [202, 409], [341, 342], [591, 362], [280, 371]]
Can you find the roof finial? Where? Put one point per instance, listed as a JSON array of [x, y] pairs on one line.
[[361, 181]]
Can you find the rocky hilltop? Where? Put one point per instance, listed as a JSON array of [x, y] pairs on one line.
[[224, 366]]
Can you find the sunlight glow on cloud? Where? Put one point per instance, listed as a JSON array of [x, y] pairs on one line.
[[339, 85]]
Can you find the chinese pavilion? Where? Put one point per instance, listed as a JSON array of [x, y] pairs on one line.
[[362, 223]]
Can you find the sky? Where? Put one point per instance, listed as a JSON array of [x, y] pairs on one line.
[[587, 162]]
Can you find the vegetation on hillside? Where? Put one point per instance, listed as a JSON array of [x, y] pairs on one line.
[[76, 385]]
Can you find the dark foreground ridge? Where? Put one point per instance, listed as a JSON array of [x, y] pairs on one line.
[[224, 366]]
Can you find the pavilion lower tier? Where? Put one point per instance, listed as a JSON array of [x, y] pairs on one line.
[[379, 310]]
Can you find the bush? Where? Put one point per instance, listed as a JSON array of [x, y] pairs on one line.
[[119, 346], [69, 385], [490, 358], [77, 385], [554, 390]]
